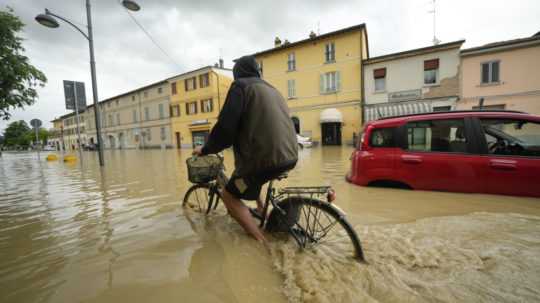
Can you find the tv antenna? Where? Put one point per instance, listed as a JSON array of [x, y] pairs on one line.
[[434, 12]]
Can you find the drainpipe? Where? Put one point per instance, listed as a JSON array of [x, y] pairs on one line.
[[362, 88], [218, 94]]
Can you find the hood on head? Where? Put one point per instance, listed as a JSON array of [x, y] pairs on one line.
[[246, 67]]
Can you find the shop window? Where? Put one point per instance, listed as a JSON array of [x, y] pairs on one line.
[[431, 71]]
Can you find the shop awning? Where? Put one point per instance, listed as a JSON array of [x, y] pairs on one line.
[[374, 112], [331, 115]]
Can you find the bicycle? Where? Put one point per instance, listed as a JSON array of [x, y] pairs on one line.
[[298, 211]]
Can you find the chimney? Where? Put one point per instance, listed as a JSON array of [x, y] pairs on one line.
[[312, 35], [286, 42], [220, 63], [216, 65], [277, 42]]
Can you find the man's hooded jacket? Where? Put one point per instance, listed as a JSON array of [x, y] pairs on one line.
[[255, 121]]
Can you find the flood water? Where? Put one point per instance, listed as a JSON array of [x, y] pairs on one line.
[[77, 233]]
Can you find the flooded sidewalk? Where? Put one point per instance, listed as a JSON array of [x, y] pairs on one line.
[[78, 233]]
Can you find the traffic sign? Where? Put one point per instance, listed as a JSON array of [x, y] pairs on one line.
[[36, 123], [74, 91]]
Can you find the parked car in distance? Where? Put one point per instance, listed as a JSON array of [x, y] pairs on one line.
[[303, 141], [49, 148], [495, 152]]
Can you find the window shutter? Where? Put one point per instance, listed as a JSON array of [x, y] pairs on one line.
[[485, 73], [495, 71], [338, 81], [186, 85], [431, 64], [195, 82], [379, 73], [187, 108], [321, 84]]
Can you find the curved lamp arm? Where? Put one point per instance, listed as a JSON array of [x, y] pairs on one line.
[[48, 12]]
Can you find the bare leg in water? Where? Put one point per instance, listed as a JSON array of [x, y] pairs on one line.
[[241, 214]]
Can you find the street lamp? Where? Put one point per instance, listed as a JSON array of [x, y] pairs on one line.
[[48, 20]]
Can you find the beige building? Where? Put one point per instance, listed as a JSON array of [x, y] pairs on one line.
[[64, 132], [505, 74], [137, 119]]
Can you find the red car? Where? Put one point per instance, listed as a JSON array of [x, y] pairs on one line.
[[495, 152]]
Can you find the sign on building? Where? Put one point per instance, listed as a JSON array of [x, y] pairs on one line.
[[74, 92], [406, 95]]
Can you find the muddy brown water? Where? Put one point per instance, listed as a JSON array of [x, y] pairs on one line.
[[77, 233]]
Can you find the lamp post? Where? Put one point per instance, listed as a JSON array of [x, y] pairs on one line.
[[48, 20]]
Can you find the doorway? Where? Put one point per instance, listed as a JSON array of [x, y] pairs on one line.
[[331, 133], [178, 141], [296, 123]]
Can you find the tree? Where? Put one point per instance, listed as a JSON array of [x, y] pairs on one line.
[[16, 134], [43, 135], [18, 78]]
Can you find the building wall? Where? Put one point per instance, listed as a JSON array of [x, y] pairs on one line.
[[185, 125], [124, 122], [519, 85], [309, 102]]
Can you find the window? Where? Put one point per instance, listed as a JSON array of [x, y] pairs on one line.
[[162, 134], [380, 79], [191, 108], [149, 134], [431, 71], [133, 98], [118, 118], [173, 88], [490, 72], [161, 109], [437, 136], [330, 52], [176, 110], [190, 84], [145, 94], [117, 102], [291, 62], [207, 106], [108, 104], [111, 122], [330, 82], [442, 108], [512, 137], [291, 88], [382, 137], [134, 115], [160, 90], [146, 113], [204, 80]]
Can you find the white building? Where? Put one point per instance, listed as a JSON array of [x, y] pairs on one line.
[[413, 81]]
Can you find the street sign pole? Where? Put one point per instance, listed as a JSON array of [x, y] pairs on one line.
[[77, 121], [37, 140]]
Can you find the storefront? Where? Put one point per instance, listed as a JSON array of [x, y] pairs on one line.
[[200, 130], [331, 122]]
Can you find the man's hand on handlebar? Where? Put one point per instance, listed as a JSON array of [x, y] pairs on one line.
[[197, 151]]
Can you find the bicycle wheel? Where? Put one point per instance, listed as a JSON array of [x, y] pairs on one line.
[[198, 198], [318, 225]]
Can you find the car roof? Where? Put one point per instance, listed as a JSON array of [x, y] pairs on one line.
[[398, 120]]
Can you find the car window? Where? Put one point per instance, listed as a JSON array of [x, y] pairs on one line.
[[437, 136], [382, 137], [512, 137]]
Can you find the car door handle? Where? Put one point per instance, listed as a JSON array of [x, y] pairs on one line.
[[503, 164], [411, 159]]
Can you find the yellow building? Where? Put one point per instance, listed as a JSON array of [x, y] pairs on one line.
[[321, 79], [196, 100]]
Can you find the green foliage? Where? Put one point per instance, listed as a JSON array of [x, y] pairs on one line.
[[16, 134], [18, 78]]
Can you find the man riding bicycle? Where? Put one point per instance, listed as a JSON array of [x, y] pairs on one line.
[[255, 121]]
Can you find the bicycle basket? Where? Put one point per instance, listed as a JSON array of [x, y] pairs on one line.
[[203, 169]]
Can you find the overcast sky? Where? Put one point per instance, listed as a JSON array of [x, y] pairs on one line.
[[196, 32]]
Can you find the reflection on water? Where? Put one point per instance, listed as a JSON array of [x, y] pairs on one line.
[[118, 234]]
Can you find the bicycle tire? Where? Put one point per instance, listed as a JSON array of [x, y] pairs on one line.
[[298, 209], [201, 201]]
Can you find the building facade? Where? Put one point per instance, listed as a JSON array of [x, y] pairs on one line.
[[196, 100], [414, 81], [56, 134], [320, 77], [506, 75], [136, 119], [64, 132]]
